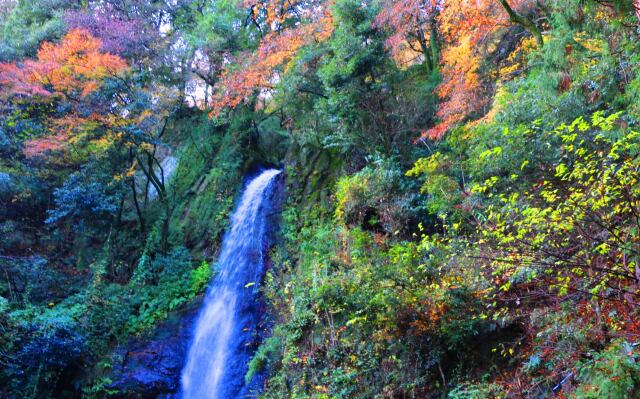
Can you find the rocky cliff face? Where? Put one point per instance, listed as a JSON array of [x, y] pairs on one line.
[[150, 367]]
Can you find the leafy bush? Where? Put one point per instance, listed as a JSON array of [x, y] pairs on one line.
[[377, 197], [6, 186], [165, 284], [47, 345], [476, 391], [264, 358], [593, 193], [613, 374], [200, 277], [357, 310], [86, 195]]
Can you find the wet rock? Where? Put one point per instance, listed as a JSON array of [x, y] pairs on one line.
[[150, 367]]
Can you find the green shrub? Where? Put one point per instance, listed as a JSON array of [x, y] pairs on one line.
[[268, 353], [477, 391], [200, 277], [613, 374], [168, 289], [377, 197]]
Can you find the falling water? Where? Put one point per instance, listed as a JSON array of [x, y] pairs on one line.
[[226, 328]]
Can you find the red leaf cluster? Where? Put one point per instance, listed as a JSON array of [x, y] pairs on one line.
[[70, 70], [75, 66], [261, 69]]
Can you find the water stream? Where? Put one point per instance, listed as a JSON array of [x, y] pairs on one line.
[[226, 329]]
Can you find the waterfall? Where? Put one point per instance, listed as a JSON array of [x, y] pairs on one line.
[[226, 329]]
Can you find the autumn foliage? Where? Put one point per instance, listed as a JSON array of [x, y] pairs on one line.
[[458, 215], [467, 27], [416, 30], [70, 71], [465, 30], [260, 69], [75, 66], [411, 24]]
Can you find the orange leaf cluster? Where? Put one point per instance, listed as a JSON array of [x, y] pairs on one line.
[[405, 19], [260, 70], [466, 27], [74, 66], [43, 145]]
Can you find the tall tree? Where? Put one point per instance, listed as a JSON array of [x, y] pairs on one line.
[[468, 28], [67, 72], [283, 28], [413, 26]]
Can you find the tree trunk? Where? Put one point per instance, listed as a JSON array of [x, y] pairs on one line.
[[428, 59], [166, 224], [525, 22], [137, 206], [433, 42]]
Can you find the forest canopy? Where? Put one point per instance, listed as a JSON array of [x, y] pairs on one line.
[[461, 213]]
